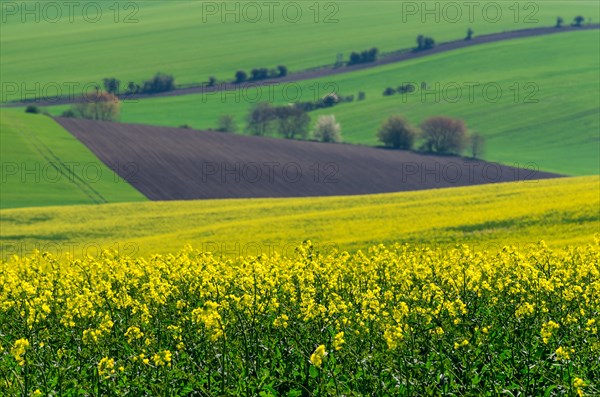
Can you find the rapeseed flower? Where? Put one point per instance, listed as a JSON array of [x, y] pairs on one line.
[[317, 357], [19, 349], [338, 341], [162, 358], [106, 366]]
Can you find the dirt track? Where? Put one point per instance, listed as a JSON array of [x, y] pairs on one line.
[[329, 71], [179, 164]]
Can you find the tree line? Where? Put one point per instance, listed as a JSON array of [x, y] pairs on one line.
[[160, 82], [258, 74], [287, 121], [438, 134]]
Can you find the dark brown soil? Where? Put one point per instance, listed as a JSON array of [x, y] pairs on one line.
[[180, 164]]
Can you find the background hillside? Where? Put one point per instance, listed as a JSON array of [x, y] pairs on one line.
[[546, 112], [186, 38]]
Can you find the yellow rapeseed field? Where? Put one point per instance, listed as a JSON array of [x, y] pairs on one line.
[[559, 211], [400, 320]]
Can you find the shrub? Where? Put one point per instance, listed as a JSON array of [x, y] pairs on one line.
[[240, 76], [185, 127], [259, 74], [306, 106], [226, 123], [283, 71], [578, 21], [212, 81], [424, 43], [328, 129], [330, 100], [470, 33], [406, 88], [477, 145], [397, 133], [32, 109], [354, 58], [429, 43], [68, 113], [444, 135], [363, 57], [389, 91], [111, 85], [103, 106], [370, 55], [420, 42], [159, 83], [559, 22], [362, 96], [133, 88]]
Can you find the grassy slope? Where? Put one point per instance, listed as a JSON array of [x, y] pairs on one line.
[[173, 37], [563, 211], [559, 133], [33, 147]]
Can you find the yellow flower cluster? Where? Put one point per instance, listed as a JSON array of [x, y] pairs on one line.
[[548, 330], [578, 385], [317, 357], [133, 333], [338, 341], [162, 358], [563, 354], [106, 366], [209, 316], [193, 312], [463, 343], [18, 350]]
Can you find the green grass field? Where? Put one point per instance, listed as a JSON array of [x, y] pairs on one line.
[[192, 42], [42, 164], [559, 132], [562, 211]]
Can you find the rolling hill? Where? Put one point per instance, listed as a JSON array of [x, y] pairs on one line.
[[42, 164], [528, 99], [134, 40]]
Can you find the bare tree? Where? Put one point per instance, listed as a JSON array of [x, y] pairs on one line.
[[103, 106], [226, 123], [260, 119], [444, 135]]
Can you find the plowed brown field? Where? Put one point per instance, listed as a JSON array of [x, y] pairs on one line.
[[180, 164]]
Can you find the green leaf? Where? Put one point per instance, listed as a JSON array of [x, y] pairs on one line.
[[548, 391]]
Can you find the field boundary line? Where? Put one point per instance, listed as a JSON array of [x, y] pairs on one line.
[[61, 167], [329, 70]]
